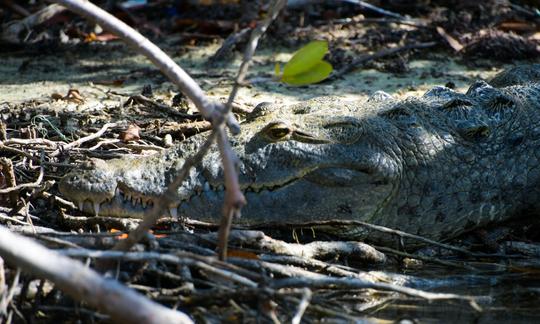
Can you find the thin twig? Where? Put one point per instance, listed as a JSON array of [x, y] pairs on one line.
[[162, 107], [427, 259], [228, 45], [30, 156], [362, 20], [31, 142], [84, 139], [3, 285], [391, 231], [377, 9], [8, 295], [318, 266], [302, 306], [382, 53], [234, 198], [280, 270]]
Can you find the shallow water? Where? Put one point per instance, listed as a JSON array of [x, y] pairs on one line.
[[508, 296]]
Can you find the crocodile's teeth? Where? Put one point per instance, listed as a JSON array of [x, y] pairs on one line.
[[81, 205], [117, 191], [221, 187], [143, 203], [134, 201], [174, 212], [127, 197], [150, 203], [96, 208], [206, 186]]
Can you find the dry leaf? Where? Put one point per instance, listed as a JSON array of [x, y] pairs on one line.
[[89, 38], [130, 134], [74, 95], [106, 37], [57, 96], [122, 236], [242, 254]]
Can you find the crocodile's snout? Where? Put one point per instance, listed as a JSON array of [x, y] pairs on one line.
[[89, 186], [121, 187]]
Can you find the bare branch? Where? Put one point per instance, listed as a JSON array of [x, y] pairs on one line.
[[11, 31], [234, 198], [189, 87], [391, 231], [31, 141]]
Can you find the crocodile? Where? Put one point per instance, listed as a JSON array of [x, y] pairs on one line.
[[437, 165]]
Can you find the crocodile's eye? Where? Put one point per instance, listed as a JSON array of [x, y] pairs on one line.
[[278, 131]]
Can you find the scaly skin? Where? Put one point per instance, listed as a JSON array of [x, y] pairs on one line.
[[436, 166]]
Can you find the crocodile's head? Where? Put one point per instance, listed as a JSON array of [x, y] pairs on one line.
[[318, 160]]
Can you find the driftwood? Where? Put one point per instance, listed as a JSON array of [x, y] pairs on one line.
[[315, 250]]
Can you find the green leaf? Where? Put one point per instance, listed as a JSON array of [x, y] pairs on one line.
[[307, 57], [320, 71]]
